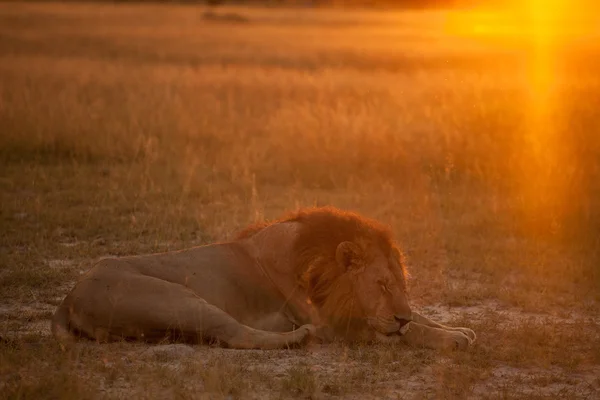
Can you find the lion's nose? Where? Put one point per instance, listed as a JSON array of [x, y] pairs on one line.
[[403, 319]]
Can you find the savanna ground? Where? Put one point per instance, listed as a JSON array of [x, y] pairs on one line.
[[128, 129]]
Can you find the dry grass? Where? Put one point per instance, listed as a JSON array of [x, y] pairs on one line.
[[128, 129]]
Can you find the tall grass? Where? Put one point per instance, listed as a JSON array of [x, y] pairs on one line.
[[319, 101]]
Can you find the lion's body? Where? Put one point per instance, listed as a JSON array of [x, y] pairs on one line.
[[264, 290], [149, 297], [212, 272]]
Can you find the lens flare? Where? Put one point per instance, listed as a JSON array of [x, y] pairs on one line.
[[544, 34]]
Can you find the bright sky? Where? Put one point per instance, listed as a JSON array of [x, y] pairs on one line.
[[546, 28], [529, 18]]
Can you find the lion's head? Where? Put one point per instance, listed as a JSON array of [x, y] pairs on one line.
[[352, 271]]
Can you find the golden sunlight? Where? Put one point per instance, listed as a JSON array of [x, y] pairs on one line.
[[541, 32], [533, 19], [541, 199]]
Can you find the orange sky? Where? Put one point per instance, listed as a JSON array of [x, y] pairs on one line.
[[533, 18]]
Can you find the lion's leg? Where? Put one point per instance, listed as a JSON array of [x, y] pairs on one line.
[[419, 335], [273, 322], [220, 325], [424, 336], [128, 305], [420, 319]]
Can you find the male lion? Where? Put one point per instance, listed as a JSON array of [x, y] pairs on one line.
[[320, 272]]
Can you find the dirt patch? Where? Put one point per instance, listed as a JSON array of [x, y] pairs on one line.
[[510, 315], [537, 382], [319, 371]]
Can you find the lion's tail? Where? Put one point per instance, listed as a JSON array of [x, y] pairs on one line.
[[60, 325]]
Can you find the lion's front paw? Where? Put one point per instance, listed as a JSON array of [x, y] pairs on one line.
[[469, 333], [458, 340], [306, 332]]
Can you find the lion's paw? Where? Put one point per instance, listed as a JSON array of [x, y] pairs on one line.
[[459, 340], [469, 333], [307, 331]]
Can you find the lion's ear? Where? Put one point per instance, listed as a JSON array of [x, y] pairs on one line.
[[347, 254]]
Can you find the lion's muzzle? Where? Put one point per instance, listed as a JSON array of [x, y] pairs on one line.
[[396, 325], [403, 324], [388, 326]]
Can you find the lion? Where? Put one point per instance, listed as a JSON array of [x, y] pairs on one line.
[[319, 274]]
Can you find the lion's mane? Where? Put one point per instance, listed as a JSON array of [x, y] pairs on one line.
[[321, 230]]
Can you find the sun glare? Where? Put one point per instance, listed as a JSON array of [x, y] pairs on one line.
[[543, 33], [541, 148], [533, 19]]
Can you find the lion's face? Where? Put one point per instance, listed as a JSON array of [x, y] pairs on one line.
[[378, 284]]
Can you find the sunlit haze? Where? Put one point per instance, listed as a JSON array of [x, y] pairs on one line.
[[359, 198], [526, 20]]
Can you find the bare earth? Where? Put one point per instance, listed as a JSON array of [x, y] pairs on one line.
[[130, 129], [318, 371]]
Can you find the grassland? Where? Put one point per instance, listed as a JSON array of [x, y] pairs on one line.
[[127, 129]]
